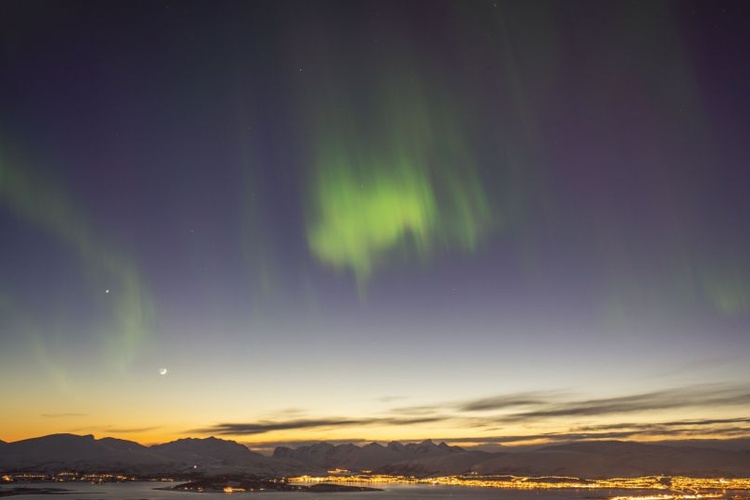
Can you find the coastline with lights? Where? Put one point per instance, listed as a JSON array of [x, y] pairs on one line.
[[678, 487], [340, 480]]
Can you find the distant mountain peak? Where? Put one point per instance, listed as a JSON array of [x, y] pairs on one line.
[[395, 445]]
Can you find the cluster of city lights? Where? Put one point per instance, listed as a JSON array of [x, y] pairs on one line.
[[679, 487], [66, 476]]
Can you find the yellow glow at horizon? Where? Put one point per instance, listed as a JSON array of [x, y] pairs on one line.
[[170, 408]]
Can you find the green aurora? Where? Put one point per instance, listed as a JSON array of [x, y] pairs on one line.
[[400, 180], [41, 202]]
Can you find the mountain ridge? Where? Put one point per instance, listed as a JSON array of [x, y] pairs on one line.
[[207, 456]]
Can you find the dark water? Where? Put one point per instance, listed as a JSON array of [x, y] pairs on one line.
[[146, 491]]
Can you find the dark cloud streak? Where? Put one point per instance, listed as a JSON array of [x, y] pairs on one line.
[[533, 398], [264, 426], [129, 430], [683, 423], [686, 397]]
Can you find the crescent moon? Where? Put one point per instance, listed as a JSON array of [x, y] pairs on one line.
[[162, 371]]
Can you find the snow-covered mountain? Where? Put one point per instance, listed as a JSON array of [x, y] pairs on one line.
[[212, 456], [583, 459], [70, 451], [59, 452], [195, 450], [372, 457]]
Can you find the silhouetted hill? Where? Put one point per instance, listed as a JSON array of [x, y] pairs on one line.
[[719, 444], [445, 465], [617, 458]]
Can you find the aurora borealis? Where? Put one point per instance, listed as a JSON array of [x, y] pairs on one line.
[[409, 181], [47, 208], [478, 221]]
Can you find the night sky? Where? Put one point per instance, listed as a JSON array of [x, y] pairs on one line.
[[291, 221]]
